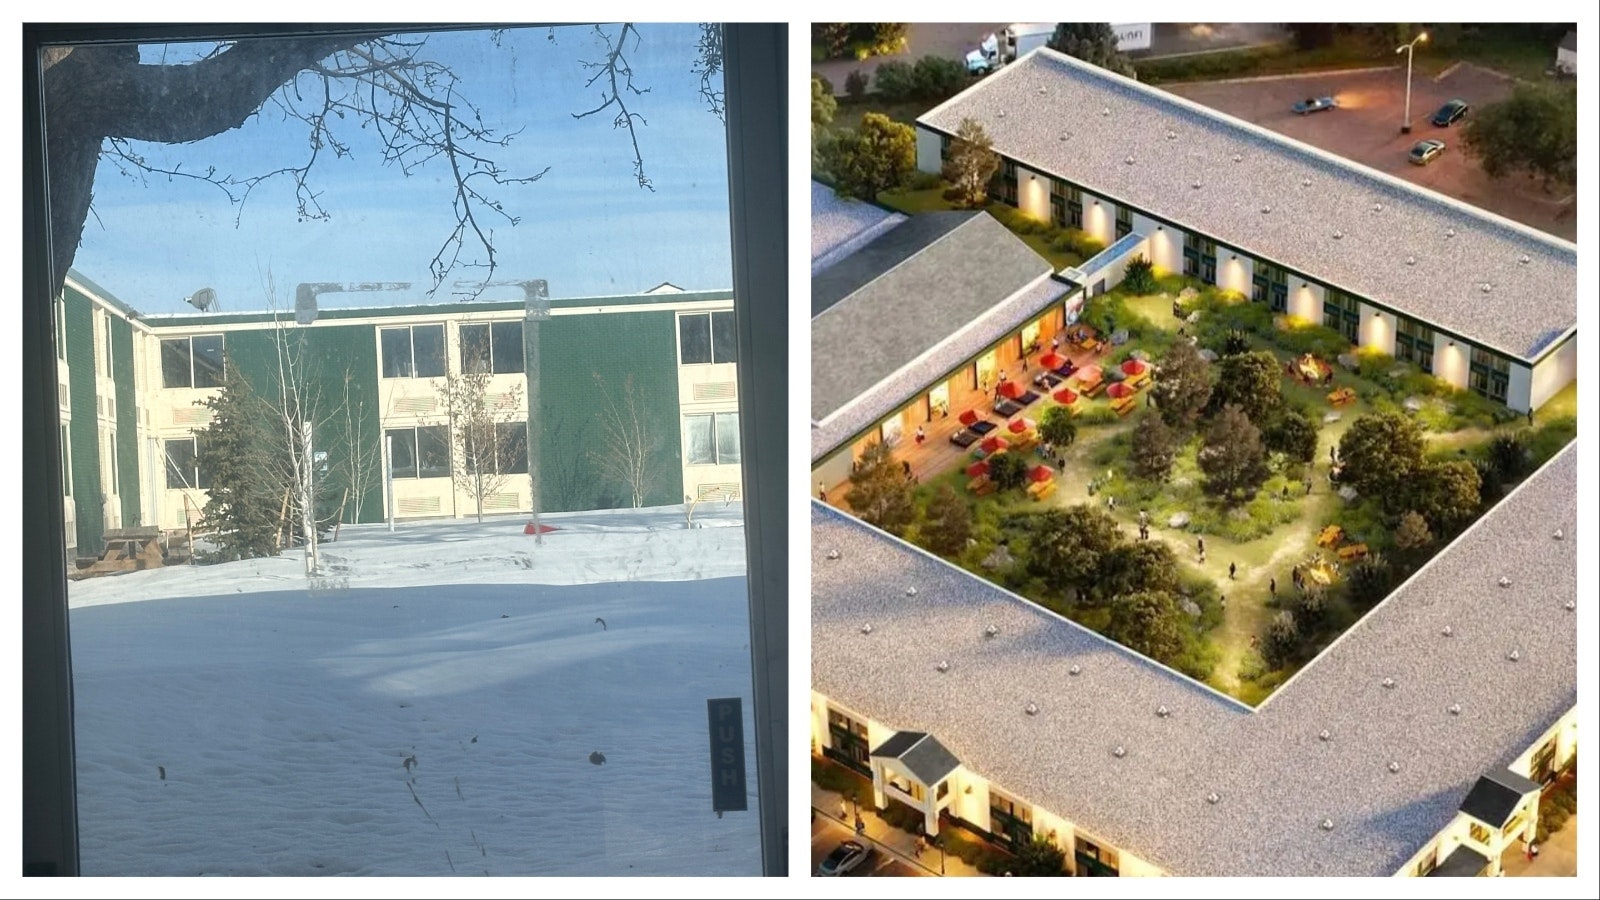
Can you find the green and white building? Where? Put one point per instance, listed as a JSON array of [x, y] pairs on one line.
[[130, 385]]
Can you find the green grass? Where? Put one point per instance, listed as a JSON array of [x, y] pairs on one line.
[[850, 111]]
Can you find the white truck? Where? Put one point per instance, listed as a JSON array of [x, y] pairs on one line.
[[1007, 44]]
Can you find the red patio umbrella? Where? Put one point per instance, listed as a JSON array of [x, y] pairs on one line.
[[969, 418], [1052, 360], [1119, 390], [1089, 374], [994, 443], [1011, 390], [1066, 396], [1018, 426], [1041, 473], [977, 469], [1131, 367]]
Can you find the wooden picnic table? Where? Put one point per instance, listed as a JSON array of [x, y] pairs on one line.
[[1330, 536]]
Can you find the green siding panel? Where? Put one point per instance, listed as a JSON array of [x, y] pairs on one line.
[[130, 477], [329, 357], [86, 496], [618, 347]]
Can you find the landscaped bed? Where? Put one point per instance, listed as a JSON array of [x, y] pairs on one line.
[[1230, 531]]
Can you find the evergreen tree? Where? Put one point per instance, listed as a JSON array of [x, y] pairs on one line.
[[970, 165], [1292, 433], [1140, 276], [1152, 623], [1282, 640], [1182, 386], [1251, 381], [949, 522], [1233, 459], [1007, 470], [245, 500], [1155, 446], [1040, 857], [1057, 427], [879, 492], [1094, 43]]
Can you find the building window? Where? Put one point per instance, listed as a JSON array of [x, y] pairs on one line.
[[1480, 833], [944, 147], [713, 439], [848, 742], [492, 348], [59, 309], [111, 462], [1342, 313], [1124, 221], [413, 351], [707, 338], [192, 362], [1489, 374], [1428, 862], [66, 463], [944, 790], [1004, 185], [1413, 343], [183, 465], [422, 452], [511, 445], [1093, 859]]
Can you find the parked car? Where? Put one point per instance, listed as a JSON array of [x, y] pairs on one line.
[[1450, 113], [844, 857], [1426, 152], [1314, 104]]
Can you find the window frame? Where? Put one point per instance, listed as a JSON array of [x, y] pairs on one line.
[[494, 358], [716, 440], [756, 103], [411, 340], [198, 483], [188, 341]]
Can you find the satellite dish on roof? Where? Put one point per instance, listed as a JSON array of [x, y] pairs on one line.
[[204, 299]]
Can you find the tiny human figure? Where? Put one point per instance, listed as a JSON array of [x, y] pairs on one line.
[[1530, 418], [1200, 545], [1222, 602], [822, 491], [1308, 485], [844, 810], [1272, 587], [861, 824], [1232, 569], [921, 435], [905, 466], [1254, 641]]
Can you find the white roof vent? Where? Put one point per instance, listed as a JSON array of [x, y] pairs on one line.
[[1559, 535], [1129, 160], [1570, 605], [1514, 655], [1389, 682], [1525, 259], [911, 591], [834, 553], [1119, 751], [1171, 135], [1394, 766], [1505, 582], [1448, 631], [1326, 735], [1000, 113], [1486, 287], [1076, 669], [1213, 798], [1195, 184], [1105, 110], [1163, 712], [1338, 235], [1449, 232], [1031, 709], [1065, 135], [1237, 157], [943, 666], [1305, 182], [991, 631], [866, 629], [1377, 207], [1265, 210], [1327, 825], [1455, 709], [1042, 90], [1411, 260]]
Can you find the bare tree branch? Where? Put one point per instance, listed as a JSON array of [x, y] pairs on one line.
[[618, 76]]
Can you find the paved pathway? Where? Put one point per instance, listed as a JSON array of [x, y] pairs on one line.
[[1558, 856], [888, 839]]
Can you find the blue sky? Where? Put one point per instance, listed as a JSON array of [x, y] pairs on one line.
[[586, 227]]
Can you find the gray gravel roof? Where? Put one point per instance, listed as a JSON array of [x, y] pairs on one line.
[[915, 307], [839, 225], [1062, 116], [1275, 778]]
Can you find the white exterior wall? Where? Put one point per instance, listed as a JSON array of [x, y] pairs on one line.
[[1234, 269], [1099, 218], [1549, 377], [1033, 193], [1451, 360], [1565, 731], [1306, 302], [708, 388], [928, 144], [1567, 60], [1165, 246], [1114, 271], [1376, 330]]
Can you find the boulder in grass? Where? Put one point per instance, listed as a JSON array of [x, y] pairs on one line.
[[998, 558], [1331, 417], [1348, 494], [1349, 361], [1190, 607], [1193, 317], [1178, 520], [1413, 404], [1119, 337], [1208, 354], [1140, 355], [1397, 372]]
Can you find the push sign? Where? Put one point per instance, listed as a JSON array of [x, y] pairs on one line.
[[727, 754]]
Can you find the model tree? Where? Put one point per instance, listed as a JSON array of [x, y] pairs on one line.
[[1311, 609], [1094, 43], [970, 165], [879, 155], [1281, 642], [1152, 623], [939, 77], [1182, 387], [1369, 581], [949, 522], [1534, 131], [1251, 381], [1446, 493], [1380, 454], [879, 491], [1067, 545], [1140, 276], [1057, 427], [1292, 433], [1008, 470], [1040, 857], [1155, 446], [1232, 457], [1135, 566], [1412, 533], [490, 445]]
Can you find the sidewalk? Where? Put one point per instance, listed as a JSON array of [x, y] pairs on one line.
[[1558, 856], [888, 838]]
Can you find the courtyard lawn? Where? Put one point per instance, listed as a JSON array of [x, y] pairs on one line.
[[912, 202], [1264, 538]]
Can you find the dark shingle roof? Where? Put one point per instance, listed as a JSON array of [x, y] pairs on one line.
[[921, 753], [1570, 41], [879, 257], [1465, 862], [1496, 795]]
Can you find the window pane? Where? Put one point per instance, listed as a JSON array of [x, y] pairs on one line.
[[396, 352], [403, 450], [508, 348], [208, 361], [694, 339], [175, 363], [433, 452], [66, 462], [727, 437], [724, 340], [475, 349], [180, 464], [428, 350], [511, 440], [698, 436]]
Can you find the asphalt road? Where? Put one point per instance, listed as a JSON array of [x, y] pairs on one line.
[[1366, 128]]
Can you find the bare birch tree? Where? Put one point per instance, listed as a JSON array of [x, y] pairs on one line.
[[627, 440], [362, 461], [482, 459]]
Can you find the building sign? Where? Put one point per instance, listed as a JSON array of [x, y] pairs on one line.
[[1132, 36], [726, 719]]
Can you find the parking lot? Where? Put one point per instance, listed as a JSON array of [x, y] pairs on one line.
[[826, 834], [1366, 128]]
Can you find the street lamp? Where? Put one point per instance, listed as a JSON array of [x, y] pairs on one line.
[[1408, 49]]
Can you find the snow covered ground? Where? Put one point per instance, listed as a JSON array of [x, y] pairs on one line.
[[436, 716]]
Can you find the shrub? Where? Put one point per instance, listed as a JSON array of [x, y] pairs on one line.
[[925, 181], [1008, 470], [1548, 439], [1098, 415], [902, 817], [1281, 642], [827, 86], [937, 78], [896, 81], [1369, 582], [855, 84], [831, 777], [1139, 276], [1077, 242]]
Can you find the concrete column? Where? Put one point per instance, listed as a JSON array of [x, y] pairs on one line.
[[1033, 193], [1450, 360], [928, 144], [1234, 270], [1305, 300], [1099, 218], [1376, 330]]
